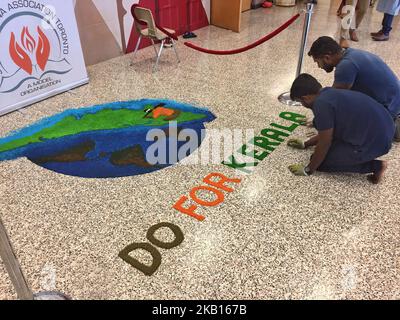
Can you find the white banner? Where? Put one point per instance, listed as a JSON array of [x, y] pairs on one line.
[[40, 51]]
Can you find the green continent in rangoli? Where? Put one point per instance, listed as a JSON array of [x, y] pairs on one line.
[[106, 119]]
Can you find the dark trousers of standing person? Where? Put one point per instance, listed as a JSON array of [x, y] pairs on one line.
[[339, 10], [343, 157], [383, 34], [387, 23]]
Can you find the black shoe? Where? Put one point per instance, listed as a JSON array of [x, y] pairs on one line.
[[188, 35]]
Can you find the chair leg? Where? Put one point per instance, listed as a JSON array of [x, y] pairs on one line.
[[176, 52], [158, 56], [154, 46], [136, 48]]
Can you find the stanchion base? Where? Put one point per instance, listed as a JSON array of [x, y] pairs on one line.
[[285, 99], [50, 295]]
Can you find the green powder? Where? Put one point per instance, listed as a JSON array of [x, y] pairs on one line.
[[106, 119]]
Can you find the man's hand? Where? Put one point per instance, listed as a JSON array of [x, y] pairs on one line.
[[303, 121], [306, 122], [298, 169], [296, 143]]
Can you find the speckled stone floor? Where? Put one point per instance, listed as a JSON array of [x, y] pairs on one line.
[[276, 236]]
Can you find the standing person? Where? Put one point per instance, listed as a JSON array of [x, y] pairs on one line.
[[361, 71], [390, 8], [353, 130], [339, 10], [346, 31]]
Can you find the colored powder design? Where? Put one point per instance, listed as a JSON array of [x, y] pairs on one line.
[[104, 141]]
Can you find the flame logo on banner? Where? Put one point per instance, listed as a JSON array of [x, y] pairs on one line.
[[22, 56], [19, 56], [43, 50]]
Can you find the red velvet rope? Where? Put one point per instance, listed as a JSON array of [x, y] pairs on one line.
[[250, 46], [143, 23]]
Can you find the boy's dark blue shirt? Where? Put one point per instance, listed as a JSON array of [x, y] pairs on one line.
[[356, 119], [369, 74]]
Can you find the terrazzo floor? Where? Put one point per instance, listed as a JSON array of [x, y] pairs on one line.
[[276, 236]]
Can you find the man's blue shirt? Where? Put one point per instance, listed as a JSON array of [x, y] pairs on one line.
[[357, 120], [369, 74]]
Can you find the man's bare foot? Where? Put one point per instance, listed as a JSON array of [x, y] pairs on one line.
[[344, 43], [376, 177]]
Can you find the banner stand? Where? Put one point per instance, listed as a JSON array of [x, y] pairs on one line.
[[16, 275]]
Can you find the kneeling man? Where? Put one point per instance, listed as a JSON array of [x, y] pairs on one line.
[[353, 130]]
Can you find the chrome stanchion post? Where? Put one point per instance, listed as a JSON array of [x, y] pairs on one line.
[[306, 29], [285, 97], [16, 275]]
